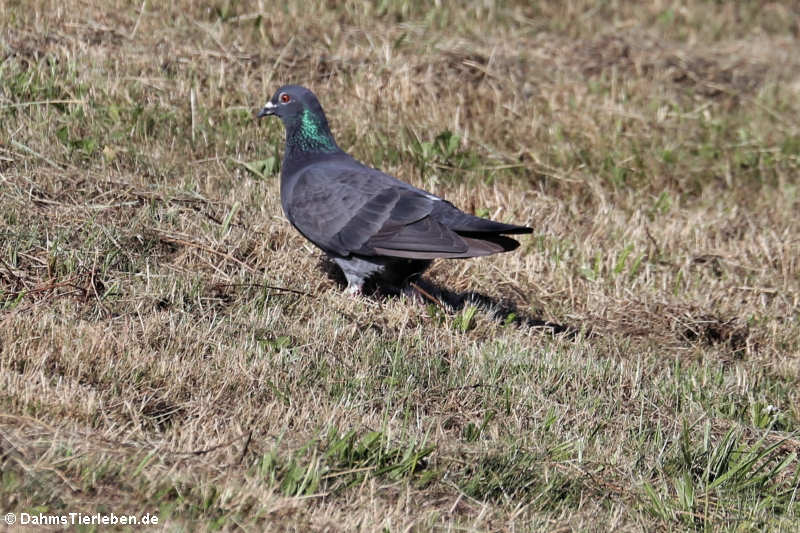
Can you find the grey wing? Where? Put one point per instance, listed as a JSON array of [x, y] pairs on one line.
[[364, 211]]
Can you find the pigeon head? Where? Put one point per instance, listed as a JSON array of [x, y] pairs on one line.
[[307, 128]]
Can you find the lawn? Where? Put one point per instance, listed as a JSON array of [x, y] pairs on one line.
[[170, 345]]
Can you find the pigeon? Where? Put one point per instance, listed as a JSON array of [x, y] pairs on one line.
[[375, 227]]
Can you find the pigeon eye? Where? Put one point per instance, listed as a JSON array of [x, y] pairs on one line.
[[285, 98]]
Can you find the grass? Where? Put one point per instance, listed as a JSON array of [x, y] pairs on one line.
[[170, 345]]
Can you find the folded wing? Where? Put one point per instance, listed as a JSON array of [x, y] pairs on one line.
[[362, 211]]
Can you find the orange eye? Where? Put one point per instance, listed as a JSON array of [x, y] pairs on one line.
[[285, 98]]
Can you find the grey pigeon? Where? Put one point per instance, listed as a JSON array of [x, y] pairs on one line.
[[374, 226]]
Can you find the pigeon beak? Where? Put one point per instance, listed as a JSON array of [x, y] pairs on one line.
[[268, 109]]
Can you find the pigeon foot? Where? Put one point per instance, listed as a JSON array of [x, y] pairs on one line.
[[353, 290]]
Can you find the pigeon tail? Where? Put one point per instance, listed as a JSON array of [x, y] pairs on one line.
[[475, 247], [466, 224]]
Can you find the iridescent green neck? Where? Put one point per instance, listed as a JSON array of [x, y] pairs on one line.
[[311, 134]]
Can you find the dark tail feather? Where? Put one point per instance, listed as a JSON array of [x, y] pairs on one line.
[[470, 225], [476, 247], [488, 244], [480, 227]]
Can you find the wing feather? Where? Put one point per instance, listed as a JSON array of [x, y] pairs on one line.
[[345, 207]]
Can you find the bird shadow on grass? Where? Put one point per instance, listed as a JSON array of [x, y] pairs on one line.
[[427, 291]]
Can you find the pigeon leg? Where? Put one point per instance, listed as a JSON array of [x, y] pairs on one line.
[[353, 290], [356, 271]]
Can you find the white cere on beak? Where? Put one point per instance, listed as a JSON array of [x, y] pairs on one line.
[[269, 105]]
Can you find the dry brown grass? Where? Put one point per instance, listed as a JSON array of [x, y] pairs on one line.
[[169, 344]]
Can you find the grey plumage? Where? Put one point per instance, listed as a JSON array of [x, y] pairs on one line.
[[372, 224]]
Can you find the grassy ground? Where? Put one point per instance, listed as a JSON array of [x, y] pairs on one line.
[[168, 344]]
